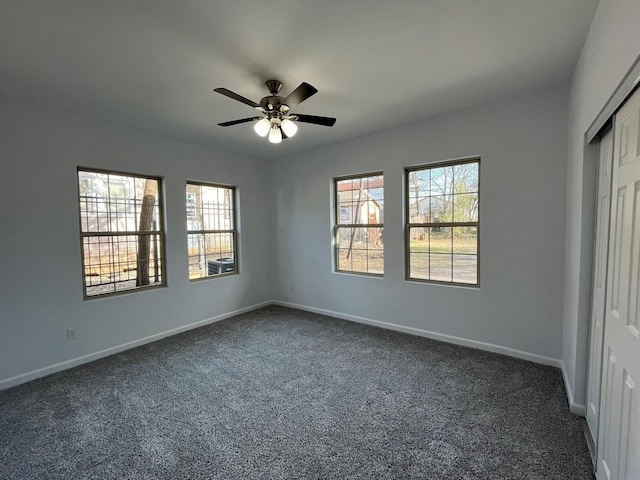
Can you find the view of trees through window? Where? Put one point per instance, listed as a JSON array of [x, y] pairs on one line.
[[359, 217], [211, 233], [443, 221], [121, 231], [123, 236]]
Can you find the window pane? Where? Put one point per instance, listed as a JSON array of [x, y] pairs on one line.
[[465, 207], [465, 254], [440, 239], [360, 249], [465, 268], [111, 263], [466, 178], [440, 253], [211, 237], [113, 203], [441, 180], [442, 208], [445, 198], [419, 196], [465, 240], [419, 247], [440, 267], [211, 254], [434, 254], [360, 200], [418, 211], [209, 207], [120, 221]]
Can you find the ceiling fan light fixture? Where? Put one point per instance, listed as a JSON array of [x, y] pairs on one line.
[[262, 127], [275, 135], [276, 121], [288, 127]]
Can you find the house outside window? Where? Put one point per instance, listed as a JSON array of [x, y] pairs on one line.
[[442, 222], [359, 222], [121, 230], [211, 230]]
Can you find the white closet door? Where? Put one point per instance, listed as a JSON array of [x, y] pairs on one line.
[[599, 285], [619, 428]]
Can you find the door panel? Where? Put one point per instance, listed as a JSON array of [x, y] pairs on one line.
[[619, 432]]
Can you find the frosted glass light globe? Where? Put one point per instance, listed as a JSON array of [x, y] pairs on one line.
[[275, 135], [288, 127], [262, 127]]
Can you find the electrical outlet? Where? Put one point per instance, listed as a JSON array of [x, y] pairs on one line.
[[71, 334]]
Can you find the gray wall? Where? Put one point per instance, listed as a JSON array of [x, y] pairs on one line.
[[40, 270], [609, 51], [523, 146], [524, 303]]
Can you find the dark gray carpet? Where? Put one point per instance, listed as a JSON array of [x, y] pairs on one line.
[[279, 393]]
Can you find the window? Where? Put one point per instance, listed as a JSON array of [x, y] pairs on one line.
[[121, 231], [359, 213], [442, 222], [211, 230]]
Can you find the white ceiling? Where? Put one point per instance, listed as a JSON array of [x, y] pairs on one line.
[[153, 64]]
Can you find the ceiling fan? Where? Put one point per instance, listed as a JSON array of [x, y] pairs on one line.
[[276, 120]]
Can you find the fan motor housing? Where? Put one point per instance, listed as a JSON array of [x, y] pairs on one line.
[[274, 103]]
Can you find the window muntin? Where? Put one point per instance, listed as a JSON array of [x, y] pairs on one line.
[[121, 230], [359, 222], [442, 222], [211, 230]]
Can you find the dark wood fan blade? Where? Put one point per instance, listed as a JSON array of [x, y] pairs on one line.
[[326, 121], [235, 122], [235, 96], [300, 94]]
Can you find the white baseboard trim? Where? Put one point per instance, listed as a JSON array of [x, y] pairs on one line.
[[465, 342], [575, 408], [74, 362]]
